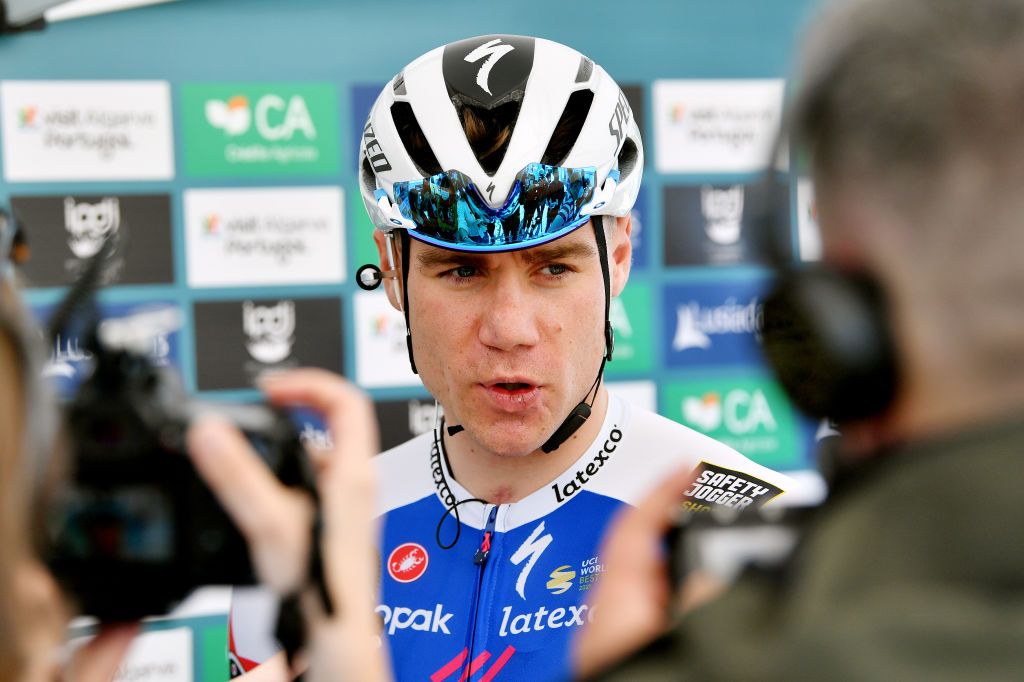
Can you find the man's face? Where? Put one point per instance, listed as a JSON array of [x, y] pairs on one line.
[[510, 343]]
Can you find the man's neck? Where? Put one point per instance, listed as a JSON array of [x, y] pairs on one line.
[[500, 479]]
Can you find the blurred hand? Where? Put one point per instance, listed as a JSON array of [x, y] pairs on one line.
[[276, 521], [99, 660], [42, 627], [631, 602]]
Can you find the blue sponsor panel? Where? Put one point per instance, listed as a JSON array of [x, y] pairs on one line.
[[153, 325], [713, 323], [363, 97], [641, 233]]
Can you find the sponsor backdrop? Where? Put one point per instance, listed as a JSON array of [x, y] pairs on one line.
[[228, 173], [227, 167]]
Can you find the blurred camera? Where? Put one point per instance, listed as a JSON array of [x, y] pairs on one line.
[[724, 543], [131, 529]]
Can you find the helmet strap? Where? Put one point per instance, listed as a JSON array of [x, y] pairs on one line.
[[405, 292], [579, 415]]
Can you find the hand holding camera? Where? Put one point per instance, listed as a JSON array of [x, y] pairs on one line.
[[132, 528]]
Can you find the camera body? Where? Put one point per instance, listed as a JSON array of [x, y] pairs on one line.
[[132, 529]]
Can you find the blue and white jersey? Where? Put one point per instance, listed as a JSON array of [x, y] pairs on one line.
[[504, 601]]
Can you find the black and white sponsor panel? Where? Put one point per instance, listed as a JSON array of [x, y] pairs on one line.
[[715, 224], [64, 231], [236, 341], [401, 420]]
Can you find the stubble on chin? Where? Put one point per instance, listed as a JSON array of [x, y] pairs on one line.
[[504, 443]]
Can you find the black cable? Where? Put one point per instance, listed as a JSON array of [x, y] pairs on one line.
[[579, 415], [453, 509]]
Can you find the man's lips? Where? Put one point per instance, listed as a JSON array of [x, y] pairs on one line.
[[511, 394], [512, 387]]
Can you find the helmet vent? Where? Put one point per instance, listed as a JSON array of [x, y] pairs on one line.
[[367, 176], [399, 85], [415, 141], [585, 70], [627, 158], [489, 131], [567, 131]]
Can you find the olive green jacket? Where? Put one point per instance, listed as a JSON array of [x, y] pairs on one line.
[[913, 570]]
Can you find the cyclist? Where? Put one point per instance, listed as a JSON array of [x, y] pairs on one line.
[[500, 172]]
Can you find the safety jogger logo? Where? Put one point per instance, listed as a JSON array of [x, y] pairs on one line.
[[716, 486]]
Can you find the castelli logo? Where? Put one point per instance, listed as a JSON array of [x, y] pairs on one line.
[[407, 562]]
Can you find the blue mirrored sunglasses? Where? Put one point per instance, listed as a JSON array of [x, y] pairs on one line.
[[449, 211]]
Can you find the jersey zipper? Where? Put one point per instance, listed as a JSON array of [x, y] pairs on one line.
[[483, 552]]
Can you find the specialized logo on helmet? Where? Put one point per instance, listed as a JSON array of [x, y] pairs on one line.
[[407, 562], [490, 52], [374, 152], [487, 71], [620, 119]]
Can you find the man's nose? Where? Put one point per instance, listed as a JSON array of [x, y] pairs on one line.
[[509, 316]]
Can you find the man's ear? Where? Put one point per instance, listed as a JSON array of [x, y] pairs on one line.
[[620, 253], [392, 287]]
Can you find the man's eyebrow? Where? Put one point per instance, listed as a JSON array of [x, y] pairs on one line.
[[555, 252], [433, 257]]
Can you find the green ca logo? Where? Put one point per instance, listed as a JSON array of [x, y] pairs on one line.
[[630, 315], [750, 414], [275, 117], [741, 411], [620, 318]]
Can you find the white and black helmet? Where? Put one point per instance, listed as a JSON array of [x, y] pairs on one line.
[[536, 85]]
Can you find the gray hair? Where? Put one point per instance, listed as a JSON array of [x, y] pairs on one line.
[[919, 106]]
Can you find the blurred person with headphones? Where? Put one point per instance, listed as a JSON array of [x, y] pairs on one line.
[[275, 520], [910, 334]]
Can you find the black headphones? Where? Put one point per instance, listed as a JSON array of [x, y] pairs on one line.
[[826, 332]]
